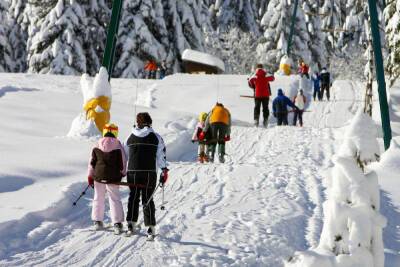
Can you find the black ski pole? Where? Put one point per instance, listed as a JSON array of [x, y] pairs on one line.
[[151, 197], [81, 195]]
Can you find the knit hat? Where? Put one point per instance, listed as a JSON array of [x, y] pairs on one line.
[[203, 116], [110, 129]]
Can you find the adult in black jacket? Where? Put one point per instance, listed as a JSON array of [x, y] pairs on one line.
[[325, 83], [146, 153]]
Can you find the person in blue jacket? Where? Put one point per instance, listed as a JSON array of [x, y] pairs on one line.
[[316, 79], [279, 107]]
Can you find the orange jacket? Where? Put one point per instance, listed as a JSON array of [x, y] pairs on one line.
[[151, 65]]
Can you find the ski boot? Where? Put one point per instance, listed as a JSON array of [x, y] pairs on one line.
[[151, 233], [256, 123], [200, 159], [132, 229], [221, 153], [221, 158], [265, 123], [118, 228], [98, 225]]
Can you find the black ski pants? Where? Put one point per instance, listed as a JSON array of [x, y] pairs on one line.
[[282, 118], [298, 114], [218, 132], [325, 87], [257, 107], [146, 181], [317, 94]]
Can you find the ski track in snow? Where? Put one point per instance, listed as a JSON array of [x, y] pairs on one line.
[[258, 208]]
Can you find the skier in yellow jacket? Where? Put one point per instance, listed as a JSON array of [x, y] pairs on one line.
[[219, 124]]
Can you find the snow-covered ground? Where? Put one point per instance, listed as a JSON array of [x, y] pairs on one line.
[[258, 208]]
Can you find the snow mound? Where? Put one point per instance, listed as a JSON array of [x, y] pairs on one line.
[[352, 230]]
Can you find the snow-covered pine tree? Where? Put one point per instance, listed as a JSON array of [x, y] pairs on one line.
[[313, 16], [184, 20], [5, 49], [57, 46], [332, 23], [18, 34], [353, 35], [392, 26], [235, 14], [98, 14], [276, 27], [143, 35]]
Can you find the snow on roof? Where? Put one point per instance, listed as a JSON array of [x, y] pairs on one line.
[[203, 58]]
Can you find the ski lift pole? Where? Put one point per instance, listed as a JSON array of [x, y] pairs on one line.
[[380, 74], [293, 20], [112, 36]]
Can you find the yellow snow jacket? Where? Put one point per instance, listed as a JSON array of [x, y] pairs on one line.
[[220, 114]]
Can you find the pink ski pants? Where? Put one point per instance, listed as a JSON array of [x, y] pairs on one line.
[[117, 212]]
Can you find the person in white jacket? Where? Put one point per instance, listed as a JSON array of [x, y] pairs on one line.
[[146, 154], [300, 101]]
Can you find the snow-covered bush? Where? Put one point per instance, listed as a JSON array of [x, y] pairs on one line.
[[352, 230]]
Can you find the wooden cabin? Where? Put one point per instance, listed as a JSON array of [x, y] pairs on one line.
[[199, 62]]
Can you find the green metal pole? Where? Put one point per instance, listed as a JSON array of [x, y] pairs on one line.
[[112, 36], [289, 44], [380, 74]]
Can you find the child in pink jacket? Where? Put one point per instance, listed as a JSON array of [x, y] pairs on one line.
[[198, 131], [107, 165]]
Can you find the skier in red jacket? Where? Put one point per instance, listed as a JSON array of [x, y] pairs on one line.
[[262, 91]]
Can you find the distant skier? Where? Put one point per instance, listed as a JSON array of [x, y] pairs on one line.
[[151, 69], [146, 153], [279, 106], [219, 123], [107, 164], [303, 69], [299, 101], [162, 69], [262, 91], [316, 79], [325, 83], [195, 138]]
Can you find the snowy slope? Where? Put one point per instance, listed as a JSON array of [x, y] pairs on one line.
[[257, 209]]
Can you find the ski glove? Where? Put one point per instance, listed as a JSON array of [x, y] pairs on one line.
[[164, 176], [90, 181], [227, 138], [202, 135]]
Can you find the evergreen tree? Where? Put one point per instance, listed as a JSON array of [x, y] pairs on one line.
[[392, 18], [57, 46], [332, 23], [185, 20], [98, 14], [235, 14], [143, 35], [18, 35], [317, 47], [5, 49], [276, 28]]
